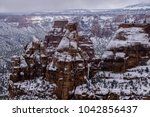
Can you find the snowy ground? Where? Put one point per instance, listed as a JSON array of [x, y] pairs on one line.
[[135, 81], [35, 89], [97, 87], [100, 44]]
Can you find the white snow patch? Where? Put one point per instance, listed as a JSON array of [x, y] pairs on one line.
[[35, 40], [120, 54], [51, 67], [107, 54], [64, 43], [134, 35]]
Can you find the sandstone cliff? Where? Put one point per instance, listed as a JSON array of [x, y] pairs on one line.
[[63, 58]]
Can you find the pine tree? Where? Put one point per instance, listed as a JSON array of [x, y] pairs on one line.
[[144, 21], [147, 70]]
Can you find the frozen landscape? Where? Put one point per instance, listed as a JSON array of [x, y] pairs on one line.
[[120, 39]]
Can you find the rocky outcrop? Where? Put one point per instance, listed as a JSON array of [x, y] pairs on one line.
[[125, 67], [63, 58], [129, 47]]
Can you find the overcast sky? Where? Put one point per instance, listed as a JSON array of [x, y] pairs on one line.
[[48, 5]]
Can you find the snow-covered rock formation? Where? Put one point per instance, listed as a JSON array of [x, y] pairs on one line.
[[64, 58], [125, 69]]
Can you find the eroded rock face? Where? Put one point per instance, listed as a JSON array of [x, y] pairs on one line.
[[129, 48], [125, 65], [63, 58], [65, 61]]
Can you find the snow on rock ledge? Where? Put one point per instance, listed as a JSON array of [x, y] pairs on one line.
[[132, 36]]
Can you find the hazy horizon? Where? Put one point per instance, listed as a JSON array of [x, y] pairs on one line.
[[10, 6]]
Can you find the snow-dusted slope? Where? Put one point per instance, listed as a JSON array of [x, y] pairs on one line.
[[138, 6], [17, 31], [131, 36], [35, 89]]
